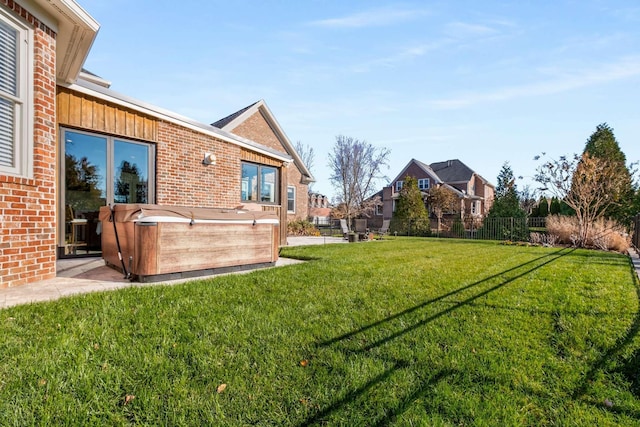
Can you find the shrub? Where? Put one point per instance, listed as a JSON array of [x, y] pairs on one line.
[[604, 234], [457, 229], [302, 227], [419, 227]]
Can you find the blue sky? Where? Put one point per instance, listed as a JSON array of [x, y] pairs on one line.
[[482, 81]]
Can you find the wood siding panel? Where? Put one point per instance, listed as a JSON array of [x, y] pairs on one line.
[[93, 114], [251, 156]]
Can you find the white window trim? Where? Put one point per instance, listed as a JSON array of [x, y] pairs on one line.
[[399, 185], [294, 199], [424, 180], [23, 130]]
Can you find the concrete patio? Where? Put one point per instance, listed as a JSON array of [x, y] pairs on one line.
[[82, 275]]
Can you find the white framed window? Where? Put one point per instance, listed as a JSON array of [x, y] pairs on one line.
[[423, 183], [379, 210], [16, 110], [291, 199], [399, 185]]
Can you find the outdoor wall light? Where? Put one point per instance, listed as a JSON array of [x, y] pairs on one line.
[[209, 159]]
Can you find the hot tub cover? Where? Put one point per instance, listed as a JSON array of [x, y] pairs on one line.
[[158, 213]]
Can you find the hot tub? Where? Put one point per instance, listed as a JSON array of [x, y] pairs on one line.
[[169, 242]]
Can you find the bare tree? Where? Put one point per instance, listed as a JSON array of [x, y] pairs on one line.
[[587, 184], [307, 155], [356, 167]]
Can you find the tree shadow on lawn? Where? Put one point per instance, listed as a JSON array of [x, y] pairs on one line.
[[630, 368], [321, 416], [553, 256], [426, 386]]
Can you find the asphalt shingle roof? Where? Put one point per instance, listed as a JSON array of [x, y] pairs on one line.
[[225, 121], [452, 170]]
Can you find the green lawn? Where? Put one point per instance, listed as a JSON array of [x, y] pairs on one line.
[[402, 332]]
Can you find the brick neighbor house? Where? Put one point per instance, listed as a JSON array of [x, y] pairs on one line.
[[69, 144], [474, 192]]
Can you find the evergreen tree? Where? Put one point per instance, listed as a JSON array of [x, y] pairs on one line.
[[602, 144], [411, 216], [555, 206], [543, 207], [506, 203]]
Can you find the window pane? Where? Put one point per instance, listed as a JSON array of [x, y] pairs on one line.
[[8, 59], [85, 171], [131, 178], [268, 184], [249, 182], [7, 157], [291, 199]]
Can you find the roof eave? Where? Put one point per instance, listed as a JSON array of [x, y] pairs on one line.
[[76, 33], [261, 106], [108, 95]]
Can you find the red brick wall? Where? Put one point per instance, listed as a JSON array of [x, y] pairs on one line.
[[28, 206], [257, 129], [182, 179]]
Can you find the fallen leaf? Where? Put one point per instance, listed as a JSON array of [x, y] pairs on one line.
[[128, 398], [304, 362], [221, 388], [42, 381], [96, 346]]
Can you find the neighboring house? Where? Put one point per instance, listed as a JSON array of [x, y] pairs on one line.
[[257, 123], [319, 209], [474, 192], [69, 144]]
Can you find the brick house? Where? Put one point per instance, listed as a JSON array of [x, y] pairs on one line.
[[257, 123], [319, 209], [70, 144], [474, 192]]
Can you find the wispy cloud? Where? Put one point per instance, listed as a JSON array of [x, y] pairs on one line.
[[371, 18], [400, 57], [465, 30], [566, 81]]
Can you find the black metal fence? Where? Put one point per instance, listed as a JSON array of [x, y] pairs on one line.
[[514, 229]]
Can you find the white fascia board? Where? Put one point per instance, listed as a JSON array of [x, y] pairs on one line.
[[99, 92], [271, 119], [261, 107], [429, 171], [75, 32]]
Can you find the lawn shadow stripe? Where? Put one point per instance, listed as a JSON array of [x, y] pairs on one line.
[[619, 345], [320, 417], [410, 310], [464, 302]]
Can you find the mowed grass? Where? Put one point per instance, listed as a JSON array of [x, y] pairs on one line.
[[396, 332]]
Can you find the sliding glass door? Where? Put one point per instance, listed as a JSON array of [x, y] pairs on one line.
[[98, 170]]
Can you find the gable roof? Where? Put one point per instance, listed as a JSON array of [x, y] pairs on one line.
[[425, 167], [234, 120], [231, 117]]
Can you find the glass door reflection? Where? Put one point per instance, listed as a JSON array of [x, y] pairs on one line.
[[85, 191]]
